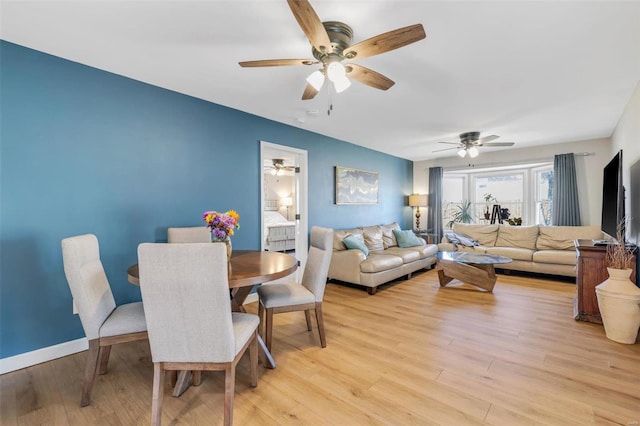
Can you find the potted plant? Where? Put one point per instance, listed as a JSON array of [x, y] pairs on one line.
[[463, 214], [618, 297], [488, 199]]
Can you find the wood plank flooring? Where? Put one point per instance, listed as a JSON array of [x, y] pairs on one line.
[[413, 354]]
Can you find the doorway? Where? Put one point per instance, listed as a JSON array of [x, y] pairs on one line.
[[284, 200]]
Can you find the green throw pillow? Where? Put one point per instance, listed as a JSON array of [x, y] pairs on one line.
[[406, 238], [353, 242]]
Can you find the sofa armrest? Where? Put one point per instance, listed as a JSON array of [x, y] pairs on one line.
[[447, 247], [345, 265]]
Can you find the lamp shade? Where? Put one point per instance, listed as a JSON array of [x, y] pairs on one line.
[[286, 201], [418, 200]]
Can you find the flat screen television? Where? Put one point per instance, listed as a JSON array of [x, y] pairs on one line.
[[613, 197]]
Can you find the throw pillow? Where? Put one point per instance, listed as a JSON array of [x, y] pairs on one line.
[[353, 242], [406, 238]]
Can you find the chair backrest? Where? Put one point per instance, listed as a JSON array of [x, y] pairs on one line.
[[88, 282], [318, 260], [185, 293], [194, 234]]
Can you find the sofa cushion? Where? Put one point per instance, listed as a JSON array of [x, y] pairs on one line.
[[485, 234], [406, 238], [373, 237], [408, 255], [388, 239], [380, 262], [341, 234], [562, 237], [426, 250], [515, 253], [353, 242], [517, 236], [558, 257]]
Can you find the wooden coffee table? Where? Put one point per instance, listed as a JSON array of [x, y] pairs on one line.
[[472, 268]]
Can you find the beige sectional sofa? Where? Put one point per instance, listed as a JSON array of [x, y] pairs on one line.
[[540, 249], [385, 261]]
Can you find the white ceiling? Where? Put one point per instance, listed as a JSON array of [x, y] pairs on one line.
[[535, 73]]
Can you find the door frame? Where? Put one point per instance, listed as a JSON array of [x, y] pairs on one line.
[[302, 208]]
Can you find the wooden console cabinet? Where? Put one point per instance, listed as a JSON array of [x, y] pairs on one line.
[[592, 270]]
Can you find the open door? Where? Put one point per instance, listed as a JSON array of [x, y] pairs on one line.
[[283, 180]]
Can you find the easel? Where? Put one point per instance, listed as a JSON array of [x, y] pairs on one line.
[[495, 214]]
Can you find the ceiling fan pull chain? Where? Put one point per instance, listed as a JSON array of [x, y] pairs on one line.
[[330, 98]]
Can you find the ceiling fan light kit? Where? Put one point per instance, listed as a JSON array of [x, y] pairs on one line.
[[331, 45], [471, 141]]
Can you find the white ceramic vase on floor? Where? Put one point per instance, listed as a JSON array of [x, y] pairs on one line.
[[619, 303]]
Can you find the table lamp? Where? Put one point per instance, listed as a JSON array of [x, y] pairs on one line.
[[418, 200]]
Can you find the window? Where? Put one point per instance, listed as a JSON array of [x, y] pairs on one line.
[[525, 190], [544, 191], [454, 190]]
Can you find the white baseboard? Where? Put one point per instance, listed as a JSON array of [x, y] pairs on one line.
[[38, 356]]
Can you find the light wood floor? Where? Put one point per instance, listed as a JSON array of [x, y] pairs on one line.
[[411, 354]]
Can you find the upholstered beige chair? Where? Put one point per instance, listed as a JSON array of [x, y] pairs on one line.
[[185, 291], [104, 323], [194, 234], [306, 296]]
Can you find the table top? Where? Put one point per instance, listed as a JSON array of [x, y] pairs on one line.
[[471, 257], [247, 268]]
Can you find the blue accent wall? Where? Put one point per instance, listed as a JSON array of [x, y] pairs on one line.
[[87, 151]]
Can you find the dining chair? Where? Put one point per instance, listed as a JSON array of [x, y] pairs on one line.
[[192, 234], [185, 291], [104, 323], [305, 296]]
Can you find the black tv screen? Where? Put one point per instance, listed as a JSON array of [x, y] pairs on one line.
[[613, 196]]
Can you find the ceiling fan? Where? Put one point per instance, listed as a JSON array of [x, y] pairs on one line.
[[278, 167], [470, 141], [331, 45]]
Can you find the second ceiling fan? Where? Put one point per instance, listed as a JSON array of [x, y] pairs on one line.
[[470, 141], [331, 45]]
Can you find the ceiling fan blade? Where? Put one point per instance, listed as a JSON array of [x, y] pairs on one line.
[[486, 139], [277, 62], [499, 144], [386, 42], [309, 92], [451, 143], [369, 77], [311, 25], [445, 149]]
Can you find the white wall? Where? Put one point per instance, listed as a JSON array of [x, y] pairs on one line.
[[627, 137], [588, 168]]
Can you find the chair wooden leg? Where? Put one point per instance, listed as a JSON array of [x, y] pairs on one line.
[[158, 393], [104, 358], [196, 377], [253, 359], [229, 389], [261, 317], [268, 328], [307, 315], [320, 319], [90, 371]]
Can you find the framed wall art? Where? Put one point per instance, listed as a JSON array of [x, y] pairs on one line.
[[355, 186]]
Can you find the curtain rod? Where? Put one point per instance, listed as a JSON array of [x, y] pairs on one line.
[[518, 163]]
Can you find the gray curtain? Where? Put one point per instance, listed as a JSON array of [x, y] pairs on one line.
[[566, 208], [434, 212]]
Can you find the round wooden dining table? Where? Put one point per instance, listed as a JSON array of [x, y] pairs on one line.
[[246, 269]]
